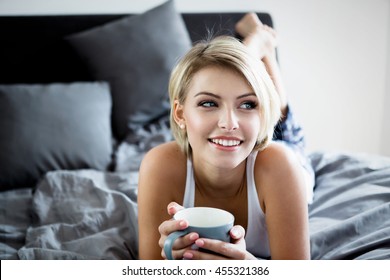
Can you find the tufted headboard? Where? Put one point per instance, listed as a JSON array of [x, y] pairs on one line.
[[32, 49]]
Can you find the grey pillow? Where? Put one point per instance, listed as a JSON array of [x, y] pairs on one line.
[[136, 55], [51, 127]]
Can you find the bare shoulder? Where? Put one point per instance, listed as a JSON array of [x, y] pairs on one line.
[[278, 174], [275, 158], [167, 158], [168, 153], [164, 167]]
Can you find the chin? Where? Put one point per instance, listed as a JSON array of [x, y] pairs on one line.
[[228, 160]]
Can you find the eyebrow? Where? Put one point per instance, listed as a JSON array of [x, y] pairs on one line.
[[218, 97]]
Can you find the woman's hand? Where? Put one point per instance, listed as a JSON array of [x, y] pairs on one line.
[[236, 250], [169, 226]]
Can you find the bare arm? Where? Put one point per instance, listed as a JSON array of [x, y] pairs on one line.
[[284, 199], [161, 182], [154, 194], [151, 210]]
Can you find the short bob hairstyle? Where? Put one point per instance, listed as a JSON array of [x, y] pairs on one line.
[[225, 51]]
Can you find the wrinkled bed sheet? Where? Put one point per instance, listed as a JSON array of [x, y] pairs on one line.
[[15, 218], [83, 214], [88, 214], [350, 216]]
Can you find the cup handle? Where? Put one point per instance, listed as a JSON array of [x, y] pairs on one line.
[[169, 242]]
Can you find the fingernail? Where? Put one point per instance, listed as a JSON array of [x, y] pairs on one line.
[[183, 224], [171, 209], [193, 237], [235, 232], [188, 255], [199, 242]]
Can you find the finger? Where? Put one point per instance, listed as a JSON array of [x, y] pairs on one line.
[[201, 255], [181, 245], [186, 241], [226, 249], [169, 226], [174, 207], [176, 254], [237, 233]]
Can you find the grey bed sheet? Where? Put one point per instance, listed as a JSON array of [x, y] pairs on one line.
[[15, 218], [88, 214], [350, 215], [84, 214]]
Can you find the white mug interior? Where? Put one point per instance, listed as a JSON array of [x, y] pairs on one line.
[[205, 216]]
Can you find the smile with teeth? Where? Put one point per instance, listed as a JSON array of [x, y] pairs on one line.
[[225, 142]]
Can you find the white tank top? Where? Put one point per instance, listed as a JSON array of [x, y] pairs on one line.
[[256, 237]]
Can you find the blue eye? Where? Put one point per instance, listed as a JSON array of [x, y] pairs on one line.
[[248, 105], [207, 104]]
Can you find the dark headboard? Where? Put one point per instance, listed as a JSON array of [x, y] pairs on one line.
[[32, 49]]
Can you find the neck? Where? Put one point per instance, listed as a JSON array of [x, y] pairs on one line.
[[219, 183]]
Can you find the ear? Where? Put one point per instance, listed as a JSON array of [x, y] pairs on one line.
[[178, 113]]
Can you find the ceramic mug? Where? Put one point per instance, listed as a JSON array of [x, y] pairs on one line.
[[208, 222]]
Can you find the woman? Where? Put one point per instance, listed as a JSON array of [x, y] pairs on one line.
[[224, 107]]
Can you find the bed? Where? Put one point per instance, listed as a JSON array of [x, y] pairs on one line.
[[83, 98]]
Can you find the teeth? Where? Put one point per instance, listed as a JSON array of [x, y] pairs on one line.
[[225, 143]]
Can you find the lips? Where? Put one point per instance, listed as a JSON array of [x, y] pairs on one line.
[[226, 142]]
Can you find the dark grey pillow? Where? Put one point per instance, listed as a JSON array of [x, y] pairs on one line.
[[51, 127], [136, 55]]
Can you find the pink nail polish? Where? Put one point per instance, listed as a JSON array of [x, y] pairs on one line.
[[199, 242], [188, 255], [193, 237]]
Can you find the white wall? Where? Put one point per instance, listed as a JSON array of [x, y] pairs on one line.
[[385, 147], [334, 56]]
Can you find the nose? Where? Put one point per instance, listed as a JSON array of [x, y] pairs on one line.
[[228, 120]]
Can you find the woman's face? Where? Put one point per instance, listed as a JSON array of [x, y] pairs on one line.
[[222, 118]]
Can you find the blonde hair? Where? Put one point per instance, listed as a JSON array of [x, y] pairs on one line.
[[225, 51]]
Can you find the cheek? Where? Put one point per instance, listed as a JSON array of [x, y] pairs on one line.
[[252, 127], [194, 122], [196, 126]]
